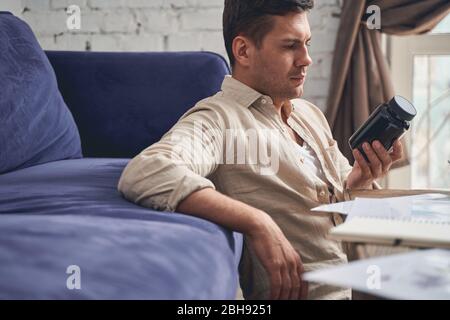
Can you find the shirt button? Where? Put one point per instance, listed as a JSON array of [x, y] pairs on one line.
[[322, 193], [263, 101]]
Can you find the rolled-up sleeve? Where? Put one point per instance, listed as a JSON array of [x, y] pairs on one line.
[[167, 172]]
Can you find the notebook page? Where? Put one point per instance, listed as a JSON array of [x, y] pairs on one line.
[[394, 232], [422, 207]]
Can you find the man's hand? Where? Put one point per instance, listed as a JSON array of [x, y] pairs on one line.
[[276, 254], [363, 173], [282, 263]]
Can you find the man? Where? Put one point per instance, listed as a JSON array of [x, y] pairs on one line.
[[267, 43]]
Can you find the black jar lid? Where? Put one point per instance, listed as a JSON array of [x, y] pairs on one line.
[[403, 108]]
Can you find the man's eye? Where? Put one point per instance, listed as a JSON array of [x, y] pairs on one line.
[[295, 45]]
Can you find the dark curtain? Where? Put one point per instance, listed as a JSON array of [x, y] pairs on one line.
[[360, 78]]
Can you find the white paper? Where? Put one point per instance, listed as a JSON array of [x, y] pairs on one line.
[[436, 210], [416, 275], [341, 207], [420, 207], [424, 206]]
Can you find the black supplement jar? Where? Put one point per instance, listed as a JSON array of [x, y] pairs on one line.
[[388, 122]]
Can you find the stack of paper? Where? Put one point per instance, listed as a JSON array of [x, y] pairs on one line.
[[419, 221], [425, 206], [417, 275]]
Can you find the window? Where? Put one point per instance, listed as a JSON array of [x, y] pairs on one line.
[[420, 68]]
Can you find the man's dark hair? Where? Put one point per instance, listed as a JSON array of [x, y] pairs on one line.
[[252, 18]]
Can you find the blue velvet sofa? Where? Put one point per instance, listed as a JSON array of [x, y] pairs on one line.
[[64, 142]]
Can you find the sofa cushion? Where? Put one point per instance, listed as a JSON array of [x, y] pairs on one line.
[[36, 125], [69, 212]]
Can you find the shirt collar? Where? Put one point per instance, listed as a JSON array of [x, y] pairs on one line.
[[246, 96], [239, 91]]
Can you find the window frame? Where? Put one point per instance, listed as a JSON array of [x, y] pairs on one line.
[[400, 52]]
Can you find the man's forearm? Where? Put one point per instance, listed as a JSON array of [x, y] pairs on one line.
[[211, 205]]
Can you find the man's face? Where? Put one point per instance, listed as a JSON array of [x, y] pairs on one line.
[[278, 68]]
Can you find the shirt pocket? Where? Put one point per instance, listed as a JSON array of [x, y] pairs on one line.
[[333, 163], [332, 151]]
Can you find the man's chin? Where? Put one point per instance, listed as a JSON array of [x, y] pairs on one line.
[[298, 92]]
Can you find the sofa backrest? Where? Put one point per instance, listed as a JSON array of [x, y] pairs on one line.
[[124, 102]]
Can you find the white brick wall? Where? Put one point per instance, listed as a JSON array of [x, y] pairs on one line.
[[324, 22], [13, 6], [166, 25]]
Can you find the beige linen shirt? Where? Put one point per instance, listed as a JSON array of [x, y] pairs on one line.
[[236, 143]]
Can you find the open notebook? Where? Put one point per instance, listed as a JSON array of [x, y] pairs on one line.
[[405, 232]]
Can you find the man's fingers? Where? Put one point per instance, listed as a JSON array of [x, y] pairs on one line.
[[286, 284], [295, 278], [365, 170], [397, 152], [383, 155], [275, 284], [303, 293], [375, 163]]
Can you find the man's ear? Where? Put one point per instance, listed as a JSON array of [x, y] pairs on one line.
[[242, 50]]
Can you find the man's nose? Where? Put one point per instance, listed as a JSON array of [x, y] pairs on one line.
[[304, 59]]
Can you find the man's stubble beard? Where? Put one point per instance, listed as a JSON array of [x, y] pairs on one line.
[[273, 87]]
